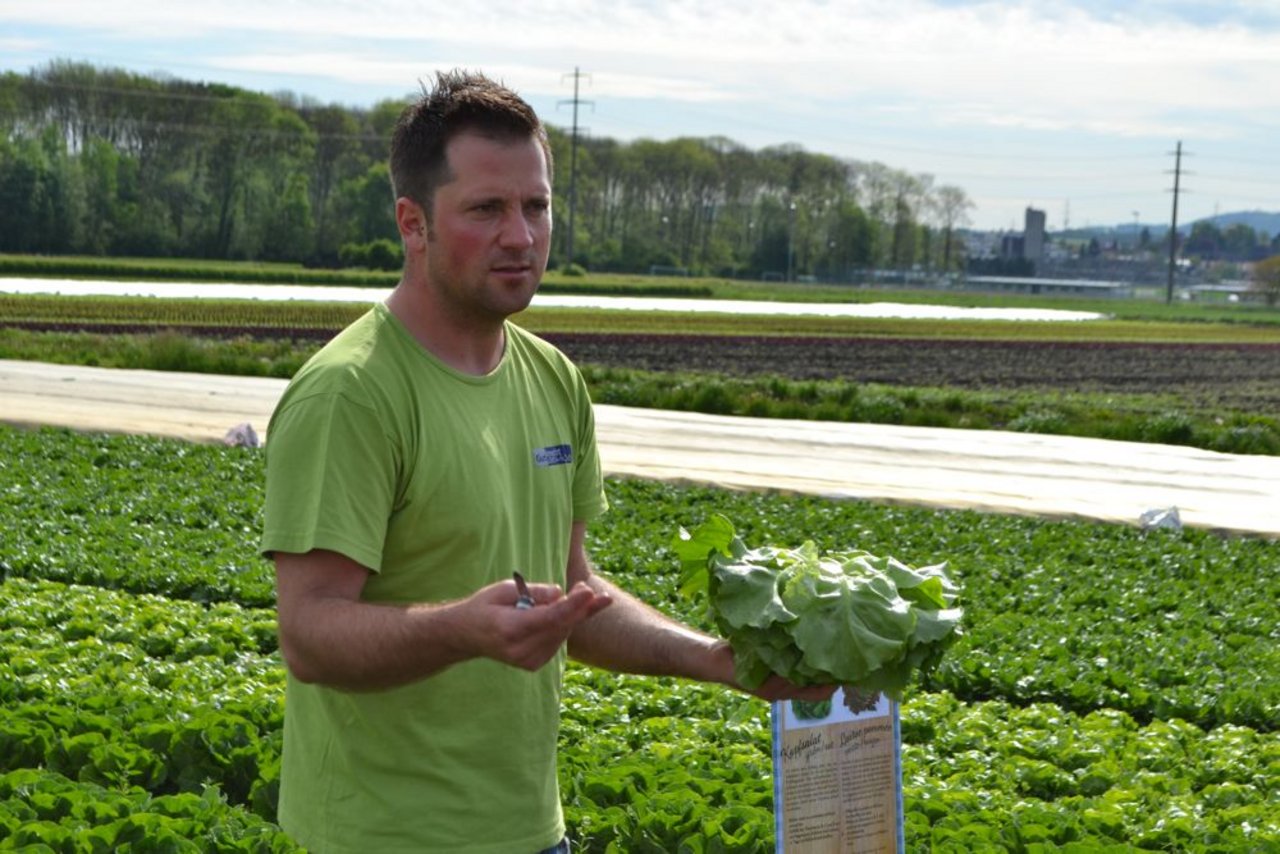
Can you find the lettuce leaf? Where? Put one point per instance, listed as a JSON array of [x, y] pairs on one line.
[[849, 617]]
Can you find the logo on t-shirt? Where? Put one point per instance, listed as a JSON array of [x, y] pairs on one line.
[[553, 455]]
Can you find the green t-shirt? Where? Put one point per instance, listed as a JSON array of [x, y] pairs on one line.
[[440, 483]]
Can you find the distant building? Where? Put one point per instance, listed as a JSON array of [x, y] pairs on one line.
[[982, 244], [1047, 287], [1033, 237], [1013, 247], [1028, 246]]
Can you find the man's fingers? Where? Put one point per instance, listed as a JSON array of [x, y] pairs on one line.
[[599, 603], [579, 597], [545, 594], [531, 636], [777, 688], [815, 692], [576, 605]]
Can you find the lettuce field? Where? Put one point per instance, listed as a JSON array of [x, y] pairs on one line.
[[1115, 690]]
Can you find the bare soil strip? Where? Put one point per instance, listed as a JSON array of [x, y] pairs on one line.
[[1233, 376]]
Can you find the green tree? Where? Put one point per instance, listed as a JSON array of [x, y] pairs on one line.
[[366, 206], [953, 206], [100, 164], [1205, 241], [1242, 243], [1266, 279], [41, 196], [66, 194], [851, 240], [290, 232], [106, 161], [338, 157]]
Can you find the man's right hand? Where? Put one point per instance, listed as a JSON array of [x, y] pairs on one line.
[[330, 636], [527, 638]]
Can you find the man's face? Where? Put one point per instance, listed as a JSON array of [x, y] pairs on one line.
[[490, 228]]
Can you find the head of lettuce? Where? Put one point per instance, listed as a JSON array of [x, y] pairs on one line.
[[846, 617]]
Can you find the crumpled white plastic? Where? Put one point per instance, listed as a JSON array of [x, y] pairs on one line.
[[242, 435], [1161, 517]]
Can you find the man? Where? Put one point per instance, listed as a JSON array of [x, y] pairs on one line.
[[423, 456]]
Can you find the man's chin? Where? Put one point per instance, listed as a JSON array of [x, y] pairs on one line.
[[511, 301], [514, 287]]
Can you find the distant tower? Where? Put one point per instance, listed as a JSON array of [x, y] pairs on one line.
[[1033, 237]]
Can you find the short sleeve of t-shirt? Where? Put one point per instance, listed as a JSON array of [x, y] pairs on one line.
[[331, 478], [589, 499]]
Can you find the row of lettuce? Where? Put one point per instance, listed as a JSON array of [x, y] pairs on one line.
[[1113, 688]]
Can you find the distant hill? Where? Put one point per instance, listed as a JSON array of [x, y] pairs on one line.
[[1263, 221], [1267, 222]]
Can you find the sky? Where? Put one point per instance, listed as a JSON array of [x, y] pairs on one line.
[[1073, 107]]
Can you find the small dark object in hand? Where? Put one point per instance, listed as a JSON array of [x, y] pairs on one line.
[[526, 598]]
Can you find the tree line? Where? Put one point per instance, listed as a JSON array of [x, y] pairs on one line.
[[1207, 241], [103, 161]]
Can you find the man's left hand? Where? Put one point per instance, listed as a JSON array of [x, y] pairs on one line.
[[773, 688]]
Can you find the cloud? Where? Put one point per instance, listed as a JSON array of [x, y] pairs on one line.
[[21, 45], [1086, 65], [967, 90]]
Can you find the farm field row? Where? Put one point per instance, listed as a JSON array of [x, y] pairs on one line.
[[1112, 356], [291, 318], [1216, 397], [1219, 376], [1203, 376], [1113, 687], [204, 270]]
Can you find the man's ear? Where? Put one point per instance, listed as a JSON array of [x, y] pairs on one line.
[[411, 220]]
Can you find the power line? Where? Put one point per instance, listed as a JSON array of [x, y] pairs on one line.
[[573, 160], [895, 145], [187, 127], [135, 93], [1173, 228], [1236, 179]]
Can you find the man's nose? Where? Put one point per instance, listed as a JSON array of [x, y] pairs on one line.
[[517, 231]]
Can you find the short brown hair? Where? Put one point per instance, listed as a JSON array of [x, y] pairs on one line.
[[460, 101]]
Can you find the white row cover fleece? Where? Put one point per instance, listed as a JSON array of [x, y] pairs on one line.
[[1052, 476]]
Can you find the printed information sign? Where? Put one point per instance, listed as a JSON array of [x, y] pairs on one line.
[[837, 775]]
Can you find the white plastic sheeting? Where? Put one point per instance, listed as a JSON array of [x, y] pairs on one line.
[[985, 470], [338, 293], [990, 470]]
